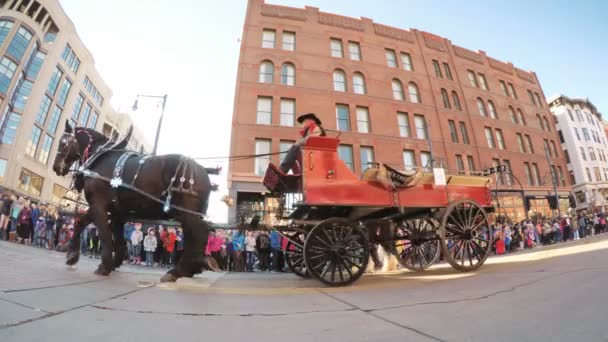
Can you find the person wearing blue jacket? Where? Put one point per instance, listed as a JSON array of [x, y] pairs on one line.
[[129, 228], [275, 250], [238, 244]]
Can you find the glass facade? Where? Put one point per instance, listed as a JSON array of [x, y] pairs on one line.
[[21, 40], [7, 71]]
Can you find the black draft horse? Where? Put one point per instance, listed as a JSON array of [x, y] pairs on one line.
[[110, 207]]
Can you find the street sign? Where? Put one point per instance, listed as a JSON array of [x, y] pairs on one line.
[[495, 169]]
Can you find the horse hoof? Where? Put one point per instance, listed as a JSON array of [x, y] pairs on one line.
[[72, 258], [102, 271], [168, 278]]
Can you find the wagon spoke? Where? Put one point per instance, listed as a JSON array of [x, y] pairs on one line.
[[348, 270], [333, 271], [329, 240], [352, 263], [321, 241], [480, 249], [325, 268], [339, 265], [469, 250]]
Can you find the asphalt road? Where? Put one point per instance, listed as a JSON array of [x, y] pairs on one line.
[[550, 294]]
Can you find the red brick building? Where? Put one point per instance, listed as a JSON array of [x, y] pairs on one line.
[[384, 89]]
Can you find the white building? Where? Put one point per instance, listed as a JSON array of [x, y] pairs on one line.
[[583, 139]]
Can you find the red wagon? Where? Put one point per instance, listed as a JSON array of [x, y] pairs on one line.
[[414, 215]]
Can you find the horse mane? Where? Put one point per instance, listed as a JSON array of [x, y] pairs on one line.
[[99, 138]]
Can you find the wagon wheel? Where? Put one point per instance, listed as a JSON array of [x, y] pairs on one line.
[[336, 252], [465, 234], [417, 245], [294, 255]]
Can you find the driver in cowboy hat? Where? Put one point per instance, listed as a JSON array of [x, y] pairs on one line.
[[311, 126]]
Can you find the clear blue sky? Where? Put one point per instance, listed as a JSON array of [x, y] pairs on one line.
[[189, 50]]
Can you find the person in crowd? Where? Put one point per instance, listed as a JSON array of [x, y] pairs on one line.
[[150, 245], [49, 233], [229, 254], [169, 245], [64, 236], [507, 238], [574, 228], [35, 215], [499, 243], [14, 217], [249, 251], [3, 217], [275, 246], [94, 236], [39, 232], [582, 225], [214, 247], [179, 244], [158, 253], [136, 238], [262, 244], [223, 250], [602, 222], [24, 225], [238, 244], [596, 223], [128, 231]]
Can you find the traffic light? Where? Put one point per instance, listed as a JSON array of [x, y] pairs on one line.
[[552, 202]]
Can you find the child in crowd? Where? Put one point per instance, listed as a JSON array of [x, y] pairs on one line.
[[136, 238], [150, 244]]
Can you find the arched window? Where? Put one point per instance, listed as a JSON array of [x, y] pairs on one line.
[[397, 90], [266, 72], [546, 124], [512, 115], [413, 91], [456, 100], [446, 98], [339, 80], [359, 84], [492, 110], [520, 117], [288, 74], [481, 107], [540, 122]]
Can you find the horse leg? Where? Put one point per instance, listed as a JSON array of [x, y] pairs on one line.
[[120, 247], [100, 217], [193, 259], [74, 246]]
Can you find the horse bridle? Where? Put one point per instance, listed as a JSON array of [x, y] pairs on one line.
[[69, 140]]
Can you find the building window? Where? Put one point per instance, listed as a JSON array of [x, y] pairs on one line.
[[9, 131], [512, 115], [456, 100], [367, 157], [363, 120], [288, 112], [19, 44], [448, 72], [540, 104], [453, 132], [598, 175], [420, 123], [425, 160], [93, 120], [547, 124], [546, 145], [262, 150], [5, 28], [583, 154], [354, 51], [54, 120], [32, 143], [345, 153], [503, 87], [284, 146], [22, 94], [69, 56], [500, 139], [570, 115], [531, 97], [413, 91], [397, 90], [289, 41], [578, 136], [288, 74], [529, 143], [404, 124], [540, 122], [492, 110], [264, 111], [7, 70], [567, 156], [520, 117], [588, 175], [459, 164], [482, 107], [554, 148], [391, 58], [336, 47], [471, 163], [266, 72], [472, 78], [54, 82], [342, 118], [268, 38], [512, 91], [520, 142], [483, 82], [464, 134], [45, 148], [586, 134], [489, 137], [359, 84], [30, 182], [84, 118], [591, 153], [499, 177], [528, 174], [339, 80], [77, 107], [63, 93], [536, 174], [508, 176], [409, 160], [437, 68], [445, 98], [406, 61], [43, 111]]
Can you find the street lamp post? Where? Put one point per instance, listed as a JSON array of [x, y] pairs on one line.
[[160, 120]]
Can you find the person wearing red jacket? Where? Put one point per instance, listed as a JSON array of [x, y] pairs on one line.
[[169, 238], [311, 126]]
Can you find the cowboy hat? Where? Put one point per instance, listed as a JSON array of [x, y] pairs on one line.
[[309, 116]]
